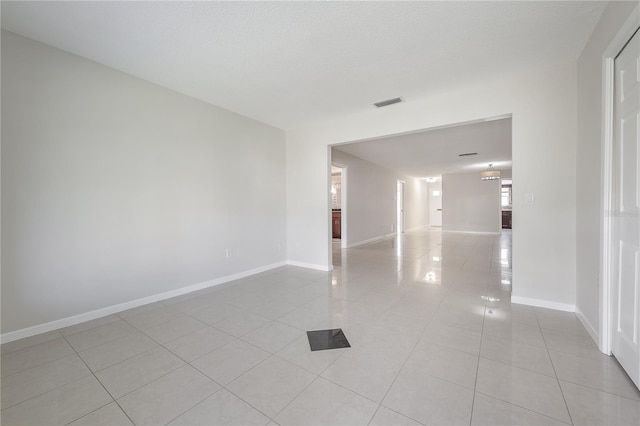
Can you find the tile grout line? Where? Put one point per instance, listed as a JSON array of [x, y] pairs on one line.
[[295, 397], [600, 390], [146, 384], [166, 374], [239, 338], [414, 347], [564, 399], [101, 343], [101, 384], [38, 365], [484, 315], [224, 386], [199, 402], [523, 408], [245, 401], [4, 352], [47, 391]]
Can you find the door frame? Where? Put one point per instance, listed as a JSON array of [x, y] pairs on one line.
[[618, 43], [343, 202], [400, 199]]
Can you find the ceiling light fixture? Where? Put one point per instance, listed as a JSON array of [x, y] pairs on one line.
[[490, 173]]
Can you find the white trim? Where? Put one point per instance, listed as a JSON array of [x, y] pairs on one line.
[[469, 232], [325, 268], [371, 240], [543, 303], [426, 129], [109, 310], [608, 78], [593, 332], [604, 340], [344, 211]]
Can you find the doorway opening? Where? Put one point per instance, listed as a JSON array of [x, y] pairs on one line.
[[434, 185], [387, 177], [506, 202], [338, 204]]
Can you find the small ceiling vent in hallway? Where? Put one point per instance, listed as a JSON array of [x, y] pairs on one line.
[[388, 102], [466, 154]]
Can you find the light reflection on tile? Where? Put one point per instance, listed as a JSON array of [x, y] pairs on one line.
[[422, 315]]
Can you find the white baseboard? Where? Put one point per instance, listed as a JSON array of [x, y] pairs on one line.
[[325, 268], [469, 232], [109, 310], [588, 326], [543, 303], [370, 240]]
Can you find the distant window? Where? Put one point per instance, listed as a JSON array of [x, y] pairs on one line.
[[506, 196]]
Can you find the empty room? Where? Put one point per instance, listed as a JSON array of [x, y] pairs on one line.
[[305, 213]]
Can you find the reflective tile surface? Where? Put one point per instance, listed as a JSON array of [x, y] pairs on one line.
[[434, 340]]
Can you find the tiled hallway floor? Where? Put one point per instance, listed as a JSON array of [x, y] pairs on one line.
[[435, 340]]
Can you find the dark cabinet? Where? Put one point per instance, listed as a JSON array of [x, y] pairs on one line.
[[506, 219], [336, 221]]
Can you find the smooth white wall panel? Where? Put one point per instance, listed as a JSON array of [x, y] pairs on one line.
[[470, 204], [115, 189], [416, 208]]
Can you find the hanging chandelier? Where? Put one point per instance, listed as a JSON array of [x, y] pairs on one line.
[[490, 173]]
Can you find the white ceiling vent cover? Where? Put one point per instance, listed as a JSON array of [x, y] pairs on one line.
[[388, 102]]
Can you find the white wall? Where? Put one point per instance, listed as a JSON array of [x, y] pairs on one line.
[[543, 108], [115, 189], [371, 199], [416, 204], [589, 160], [470, 204], [435, 204]]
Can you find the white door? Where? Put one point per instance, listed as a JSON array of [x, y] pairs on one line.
[[626, 211], [435, 204]]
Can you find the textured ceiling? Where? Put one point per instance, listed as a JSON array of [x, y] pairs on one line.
[[435, 152], [289, 63]]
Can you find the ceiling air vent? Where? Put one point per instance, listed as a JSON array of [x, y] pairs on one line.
[[467, 154], [388, 102]]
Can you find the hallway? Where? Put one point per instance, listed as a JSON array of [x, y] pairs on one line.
[[434, 340]]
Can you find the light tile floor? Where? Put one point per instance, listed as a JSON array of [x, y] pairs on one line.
[[435, 340]]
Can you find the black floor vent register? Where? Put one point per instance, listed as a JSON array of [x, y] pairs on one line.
[[320, 340]]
